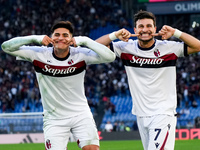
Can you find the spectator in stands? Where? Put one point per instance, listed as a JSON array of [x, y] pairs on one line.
[[191, 97], [38, 102], [179, 97], [109, 106], [93, 105], [197, 122], [178, 125], [108, 127], [135, 127], [121, 126], [60, 71], [189, 125], [151, 69], [194, 104], [3, 131], [115, 127], [185, 112]]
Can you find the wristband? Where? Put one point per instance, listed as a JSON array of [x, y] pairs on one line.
[[112, 36], [177, 33]]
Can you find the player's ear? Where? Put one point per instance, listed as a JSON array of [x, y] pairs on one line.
[[155, 29], [134, 29]]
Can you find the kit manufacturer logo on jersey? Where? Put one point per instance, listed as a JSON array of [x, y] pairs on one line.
[[157, 53], [157, 144], [169, 126]]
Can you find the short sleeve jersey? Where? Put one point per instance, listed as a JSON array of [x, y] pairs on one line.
[[151, 75]]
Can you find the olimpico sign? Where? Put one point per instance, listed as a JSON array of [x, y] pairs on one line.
[[174, 7], [187, 7]]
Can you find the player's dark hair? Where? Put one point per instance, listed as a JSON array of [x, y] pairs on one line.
[[63, 24], [144, 15]]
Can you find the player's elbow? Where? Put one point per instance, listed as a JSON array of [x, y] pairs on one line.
[[194, 50], [111, 58], [4, 47]]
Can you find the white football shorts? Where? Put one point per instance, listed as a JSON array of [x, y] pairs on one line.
[[157, 132], [57, 132]]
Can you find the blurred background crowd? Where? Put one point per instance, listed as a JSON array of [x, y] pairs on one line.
[[21, 17], [17, 78]]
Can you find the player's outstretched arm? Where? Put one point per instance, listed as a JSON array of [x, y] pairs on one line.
[[121, 34], [192, 42], [104, 53], [15, 43], [105, 40]]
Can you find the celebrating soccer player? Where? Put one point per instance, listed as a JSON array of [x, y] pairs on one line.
[[151, 69], [60, 72]]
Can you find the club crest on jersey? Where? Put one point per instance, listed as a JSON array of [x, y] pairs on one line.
[[70, 62], [157, 53], [48, 144]]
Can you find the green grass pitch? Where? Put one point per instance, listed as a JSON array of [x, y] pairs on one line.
[[106, 145]]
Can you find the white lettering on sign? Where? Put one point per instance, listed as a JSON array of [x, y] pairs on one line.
[[184, 7]]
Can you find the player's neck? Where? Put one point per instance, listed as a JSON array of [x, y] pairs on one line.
[[61, 53], [146, 44]]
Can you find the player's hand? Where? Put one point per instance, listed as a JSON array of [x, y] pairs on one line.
[[123, 35], [47, 40], [155, 34], [166, 32], [73, 42], [135, 35]]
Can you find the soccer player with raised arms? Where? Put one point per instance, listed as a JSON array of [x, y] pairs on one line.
[[60, 72], [150, 65]]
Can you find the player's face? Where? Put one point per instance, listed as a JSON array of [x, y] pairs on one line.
[[62, 38], [145, 28]]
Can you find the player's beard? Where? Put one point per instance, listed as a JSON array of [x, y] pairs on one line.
[[145, 41]]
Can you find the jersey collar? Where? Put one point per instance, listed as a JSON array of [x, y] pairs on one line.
[[61, 59], [146, 49]]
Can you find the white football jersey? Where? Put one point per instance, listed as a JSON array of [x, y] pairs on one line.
[[151, 75], [61, 81]]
